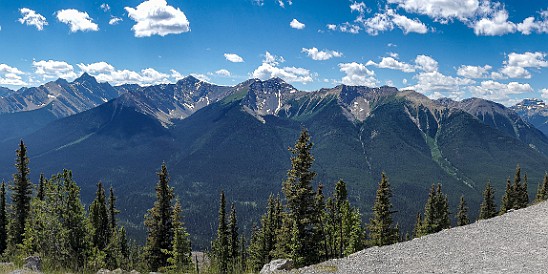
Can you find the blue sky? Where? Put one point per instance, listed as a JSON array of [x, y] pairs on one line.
[[442, 48]]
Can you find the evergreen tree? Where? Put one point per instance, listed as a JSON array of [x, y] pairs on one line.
[[20, 197], [507, 199], [300, 199], [523, 193], [159, 224], [542, 190], [418, 229], [123, 242], [340, 201], [436, 212], [381, 230], [320, 233], [462, 213], [41, 187], [220, 245], [233, 248], [255, 250], [98, 216], [180, 259], [112, 211], [488, 208], [3, 219]]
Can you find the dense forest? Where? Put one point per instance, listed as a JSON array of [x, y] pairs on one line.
[[49, 220]]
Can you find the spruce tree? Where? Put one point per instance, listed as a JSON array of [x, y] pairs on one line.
[[320, 233], [112, 211], [220, 245], [159, 224], [507, 200], [180, 259], [340, 199], [98, 217], [542, 190], [381, 230], [488, 208], [436, 212], [233, 237], [3, 219], [462, 213], [20, 197], [524, 193], [41, 187], [418, 229], [300, 203]]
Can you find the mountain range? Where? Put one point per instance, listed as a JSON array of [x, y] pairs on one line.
[[235, 139]]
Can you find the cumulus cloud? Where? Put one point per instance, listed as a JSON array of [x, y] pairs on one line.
[[527, 60], [105, 7], [531, 24], [156, 17], [77, 20], [114, 20], [105, 72], [11, 76], [497, 91], [32, 18], [498, 24], [408, 25], [296, 24], [387, 21], [321, 55], [270, 69], [426, 63], [52, 69], [331, 27], [282, 3], [223, 72], [440, 10], [201, 77], [428, 82], [359, 7], [357, 75], [474, 71], [515, 72], [234, 58], [544, 93], [392, 63]]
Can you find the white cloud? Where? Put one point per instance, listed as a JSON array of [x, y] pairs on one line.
[[96, 68], [321, 55], [441, 10], [77, 20], [52, 69], [331, 27], [428, 82], [530, 24], [357, 75], [544, 93], [201, 77], [259, 3], [176, 75], [296, 24], [349, 28], [497, 91], [391, 63], [497, 25], [359, 7], [11, 76], [156, 17], [515, 72], [114, 20], [426, 63], [223, 72], [234, 58], [474, 71], [282, 3], [31, 18], [270, 69], [409, 25], [105, 7], [527, 60], [105, 72]]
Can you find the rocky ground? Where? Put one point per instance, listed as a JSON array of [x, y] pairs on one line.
[[516, 242]]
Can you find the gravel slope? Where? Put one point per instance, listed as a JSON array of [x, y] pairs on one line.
[[516, 242]]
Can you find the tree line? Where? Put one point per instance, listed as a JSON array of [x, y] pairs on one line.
[[50, 221]]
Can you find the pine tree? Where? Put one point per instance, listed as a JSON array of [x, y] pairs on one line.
[[462, 213], [20, 197], [180, 259], [3, 219], [417, 230], [320, 232], [41, 187], [112, 211], [380, 226], [98, 217], [340, 200], [524, 193], [233, 237], [542, 190], [436, 212], [159, 224], [488, 208], [507, 200], [220, 245], [300, 199]]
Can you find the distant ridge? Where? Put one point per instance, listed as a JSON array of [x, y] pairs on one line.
[[512, 243]]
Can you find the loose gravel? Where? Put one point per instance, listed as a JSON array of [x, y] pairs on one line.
[[516, 242]]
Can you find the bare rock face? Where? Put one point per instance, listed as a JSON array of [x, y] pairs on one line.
[[33, 263], [275, 265]]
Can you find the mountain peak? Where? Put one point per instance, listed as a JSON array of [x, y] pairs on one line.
[[85, 77]]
